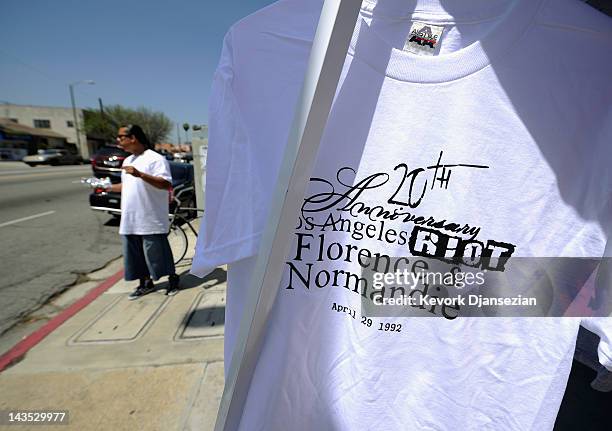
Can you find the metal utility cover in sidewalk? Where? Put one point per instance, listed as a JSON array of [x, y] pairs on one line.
[[207, 318], [123, 320]]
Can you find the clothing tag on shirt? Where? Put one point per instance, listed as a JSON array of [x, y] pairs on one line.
[[423, 38]]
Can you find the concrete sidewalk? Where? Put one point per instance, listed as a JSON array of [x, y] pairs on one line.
[[155, 363]]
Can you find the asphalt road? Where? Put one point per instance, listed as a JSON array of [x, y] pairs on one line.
[[49, 235]]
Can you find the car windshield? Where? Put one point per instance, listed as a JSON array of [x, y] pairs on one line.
[[49, 151]]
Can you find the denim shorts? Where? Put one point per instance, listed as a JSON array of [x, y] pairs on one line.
[[147, 256]]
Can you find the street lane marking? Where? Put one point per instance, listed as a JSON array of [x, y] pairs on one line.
[[32, 176], [26, 218], [39, 170]]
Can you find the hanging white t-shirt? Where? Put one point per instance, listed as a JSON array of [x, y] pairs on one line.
[[502, 137], [144, 208]]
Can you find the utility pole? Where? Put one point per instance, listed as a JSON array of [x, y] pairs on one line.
[[74, 113]]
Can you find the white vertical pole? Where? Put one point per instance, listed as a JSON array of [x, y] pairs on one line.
[[330, 45], [199, 148]]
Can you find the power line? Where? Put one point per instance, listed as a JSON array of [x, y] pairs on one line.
[[29, 66]]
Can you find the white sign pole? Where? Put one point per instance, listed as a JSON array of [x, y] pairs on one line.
[[330, 45]]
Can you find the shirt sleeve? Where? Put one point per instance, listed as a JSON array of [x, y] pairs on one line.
[[223, 238], [161, 168]]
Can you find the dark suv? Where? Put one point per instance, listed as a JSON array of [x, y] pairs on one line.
[[107, 161]]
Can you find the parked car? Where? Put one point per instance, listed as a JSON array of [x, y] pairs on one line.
[[53, 156], [182, 187], [16, 154], [107, 161], [167, 154], [183, 157]]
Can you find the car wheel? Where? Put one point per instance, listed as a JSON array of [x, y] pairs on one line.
[[54, 162], [31, 164]]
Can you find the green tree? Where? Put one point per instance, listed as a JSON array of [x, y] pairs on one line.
[[156, 125]]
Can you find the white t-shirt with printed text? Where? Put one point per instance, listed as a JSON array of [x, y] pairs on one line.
[[506, 130]]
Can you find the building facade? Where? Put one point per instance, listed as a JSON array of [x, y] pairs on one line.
[[18, 140], [55, 119]]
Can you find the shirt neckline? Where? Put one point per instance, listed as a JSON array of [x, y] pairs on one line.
[[369, 47]]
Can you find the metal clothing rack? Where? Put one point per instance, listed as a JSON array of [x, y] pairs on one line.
[[335, 28]]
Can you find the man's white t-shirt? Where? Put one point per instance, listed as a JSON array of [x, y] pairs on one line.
[[502, 137], [144, 208]]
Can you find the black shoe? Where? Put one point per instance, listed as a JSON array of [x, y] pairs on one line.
[[142, 290], [173, 285]]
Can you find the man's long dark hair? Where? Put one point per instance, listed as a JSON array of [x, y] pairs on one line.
[[136, 131]]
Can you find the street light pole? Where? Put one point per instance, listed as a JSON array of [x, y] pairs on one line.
[[186, 128], [74, 113]]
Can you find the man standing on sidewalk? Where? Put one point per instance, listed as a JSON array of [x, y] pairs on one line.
[[145, 181]]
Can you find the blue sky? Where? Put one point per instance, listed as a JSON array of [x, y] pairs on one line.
[[153, 53]]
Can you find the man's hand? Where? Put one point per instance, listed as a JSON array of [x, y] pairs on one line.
[[132, 171]]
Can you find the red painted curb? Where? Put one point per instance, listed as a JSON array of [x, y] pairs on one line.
[[21, 348]]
